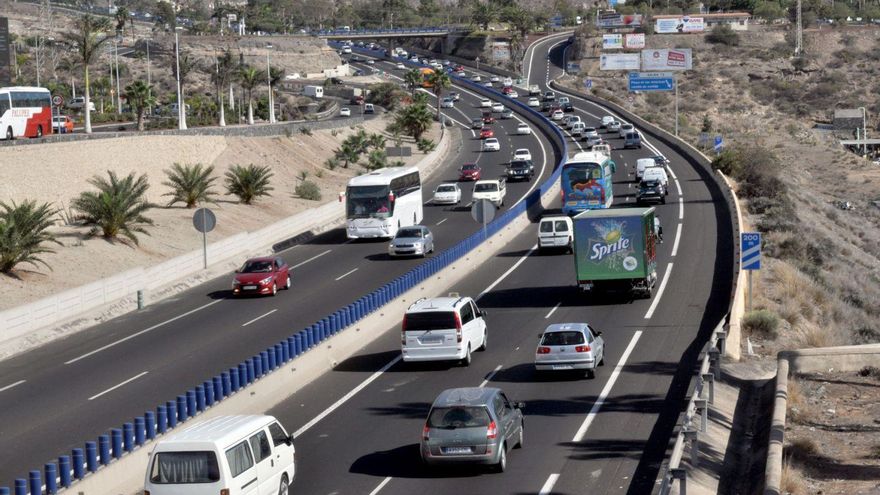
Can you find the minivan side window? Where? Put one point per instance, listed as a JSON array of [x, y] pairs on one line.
[[239, 459], [260, 446], [467, 313], [476, 310], [279, 437]]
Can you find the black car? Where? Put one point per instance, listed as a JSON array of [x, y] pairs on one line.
[[549, 96], [567, 107], [547, 105], [651, 191], [661, 161], [520, 170]]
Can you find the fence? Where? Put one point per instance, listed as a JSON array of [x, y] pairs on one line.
[[107, 448]]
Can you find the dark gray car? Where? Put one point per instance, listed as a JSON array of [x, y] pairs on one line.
[[412, 241], [472, 425]]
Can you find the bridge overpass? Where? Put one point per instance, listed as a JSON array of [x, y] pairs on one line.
[[416, 32]]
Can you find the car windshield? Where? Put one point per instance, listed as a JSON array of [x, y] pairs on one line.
[[446, 188], [519, 164], [256, 266], [368, 202], [485, 187], [409, 233], [546, 227], [469, 168], [458, 417], [563, 338]]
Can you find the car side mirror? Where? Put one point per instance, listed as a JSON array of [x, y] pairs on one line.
[[289, 440], [520, 405], [483, 313], [598, 333]]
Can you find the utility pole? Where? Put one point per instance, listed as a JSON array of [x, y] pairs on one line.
[[118, 89], [799, 38], [181, 106], [269, 81], [149, 82]]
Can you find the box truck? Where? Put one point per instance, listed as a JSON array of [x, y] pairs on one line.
[[615, 250], [314, 91]]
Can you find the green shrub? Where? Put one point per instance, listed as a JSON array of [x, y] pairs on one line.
[[762, 322], [308, 190], [23, 231], [248, 183], [117, 208], [190, 184], [723, 35], [305, 130], [426, 145]]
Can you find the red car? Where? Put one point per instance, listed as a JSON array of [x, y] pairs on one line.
[[470, 171], [488, 118], [458, 68], [506, 90], [486, 132], [261, 276]]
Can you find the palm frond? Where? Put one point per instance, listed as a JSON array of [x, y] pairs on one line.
[[249, 183]]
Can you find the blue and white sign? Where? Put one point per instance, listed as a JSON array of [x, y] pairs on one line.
[[588, 83], [651, 81], [719, 144], [750, 249]]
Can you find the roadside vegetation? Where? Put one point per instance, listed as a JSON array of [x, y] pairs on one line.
[[190, 184], [117, 208], [249, 183], [25, 235]]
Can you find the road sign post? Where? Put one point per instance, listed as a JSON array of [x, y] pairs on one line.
[[750, 257], [483, 212], [204, 221]]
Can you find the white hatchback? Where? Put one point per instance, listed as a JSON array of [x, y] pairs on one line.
[[522, 154], [497, 107], [443, 329], [557, 115], [570, 346], [447, 193], [523, 129], [513, 94], [491, 144], [534, 102], [345, 112], [485, 103]]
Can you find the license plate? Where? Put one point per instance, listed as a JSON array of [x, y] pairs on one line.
[[457, 450], [431, 340], [249, 287], [562, 367]]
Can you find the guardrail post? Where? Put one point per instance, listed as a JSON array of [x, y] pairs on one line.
[[127, 437], [116, 442], [91, 457], [703, 408], [710, 379], [20, 486], [170, 420], [63, 471], [208, 386], [150, 424], [264, 362], [77, 459], [181, 409], [722, 341], [680, 475], [219, 394], [35, 482], [298, 344], [104, 449], [690, 435], [200, 398], [291, 346], [250, 371], [140, 427], [51, 478], [715, 362], [270, 357], [4, 490], [191, 405]]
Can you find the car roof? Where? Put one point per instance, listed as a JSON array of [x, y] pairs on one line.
[[261, 258], [436, 303], [565, 327], [469, 396], [219, 430]]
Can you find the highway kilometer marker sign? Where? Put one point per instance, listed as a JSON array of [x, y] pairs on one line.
[[750, 256]]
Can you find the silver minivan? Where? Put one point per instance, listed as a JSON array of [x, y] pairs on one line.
[[443, 329], [472, 425], [555, 232], [570, 346]]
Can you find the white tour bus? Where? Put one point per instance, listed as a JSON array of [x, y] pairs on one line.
[[25, 112], [382, 201]]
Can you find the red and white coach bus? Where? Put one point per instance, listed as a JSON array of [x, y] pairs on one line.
[[25, 112]]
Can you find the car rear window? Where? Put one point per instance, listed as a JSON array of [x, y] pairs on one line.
[[172, 468], [546, 226], [458, 417], [485, 187], [431, 320], [445, 188], [563, 338], [561, 226]]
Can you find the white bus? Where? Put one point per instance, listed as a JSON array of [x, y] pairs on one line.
[[25, 112], [382, 201]]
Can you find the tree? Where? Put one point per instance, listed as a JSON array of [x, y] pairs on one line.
[[140, 96], [166, 16], [249, 78], [122, 17], [769, 11], [348, 153], [377, 159], [249, 183], [101, 85], [23, 233], [117, 208], [484, 14], [413, 79], [439, 81], [222, 74], [722, 34], [376, 141], [414, 119], [276, 74], [87, 38], [190, 184], [188, 64]]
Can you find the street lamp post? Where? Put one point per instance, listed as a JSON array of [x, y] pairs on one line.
[[118, 92], [181, 106], [269, 82], [864, 130], [149, 80]]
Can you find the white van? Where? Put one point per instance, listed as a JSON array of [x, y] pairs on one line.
[[658, 174], [555, 232], [233, 455], [443, 329], [578, 128], [314, 91], [641, 165]]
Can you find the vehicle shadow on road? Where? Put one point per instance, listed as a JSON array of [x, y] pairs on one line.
[[405, 462], [526, 373], [548, 297], [409, 410]]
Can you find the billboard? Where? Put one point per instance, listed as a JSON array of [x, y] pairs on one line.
[[635, 40], [619, 61], [612, 41], [611, 248], [500, 51], [667, 59], [679, 25], [615, 20], [5, 72]]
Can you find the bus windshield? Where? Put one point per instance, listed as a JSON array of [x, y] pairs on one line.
[[369, 202]]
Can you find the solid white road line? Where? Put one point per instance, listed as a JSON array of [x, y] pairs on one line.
[[659, 293], [313, 258], [677, 238], [552, 310], [441, 221], [259, 317], [12, 385], [381, 485], [304, 428], [680, 207], [345, 274], [605, 391], [104, 348], [489, 377], [114, 387], [549, 484], [508, 272], [677, 185]]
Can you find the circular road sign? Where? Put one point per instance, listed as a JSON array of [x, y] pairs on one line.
[[204, 220], [483, 211], [58, 100]]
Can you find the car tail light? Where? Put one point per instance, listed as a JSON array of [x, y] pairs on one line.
[[582, 348], [426, 432], [403, 331], [492, 431], [224, 491], [146, 492], [543, 350], [457, 328]]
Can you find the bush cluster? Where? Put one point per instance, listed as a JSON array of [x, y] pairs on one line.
[[762, 322], [308, 190]]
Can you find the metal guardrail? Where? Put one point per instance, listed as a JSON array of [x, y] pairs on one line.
[[85, 461], [407, 31]]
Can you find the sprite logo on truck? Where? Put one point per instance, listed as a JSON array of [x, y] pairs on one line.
[[608, 248]]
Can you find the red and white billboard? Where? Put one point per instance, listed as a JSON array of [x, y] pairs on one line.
[[634, 41]]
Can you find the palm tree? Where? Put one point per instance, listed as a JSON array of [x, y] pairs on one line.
[[87, 39], [483, 14], [122, 17], [249, 78], [188, 64], [439, 81], [190, 184], [376, 141], [140, 96], [23, 230], [376, 159], [413, 79], [275, 76], [348, 153], [117, 208], [248, 183], [70, 65], [223, 69], [415, 119], [101, 85]]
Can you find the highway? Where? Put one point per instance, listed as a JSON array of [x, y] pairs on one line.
[[69, 391]]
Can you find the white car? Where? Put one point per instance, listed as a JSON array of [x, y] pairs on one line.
[[557, 115], [491, 144], [507, 81], [523, 129], [522, 154], [513, 94], [570, 346], [495, 79], [534, 102], [485, 103], [614, 126], [476, 78], [589, 132], [345, 112], [626, 129], [371, 61], [497, 107], [447, 103], [488, 84], [447, 193], [606, 119], [400, 66]]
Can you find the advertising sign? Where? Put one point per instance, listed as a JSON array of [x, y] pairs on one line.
[[667, 59], [615, 20], [634, 41], [619, 61], [500, 51], [613, 248], [612, 41], [679, 25], [5, 72]]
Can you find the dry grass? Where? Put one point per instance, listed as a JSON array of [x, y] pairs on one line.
[[810, 335], [793, 481], [802, 450], [795, 400]]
